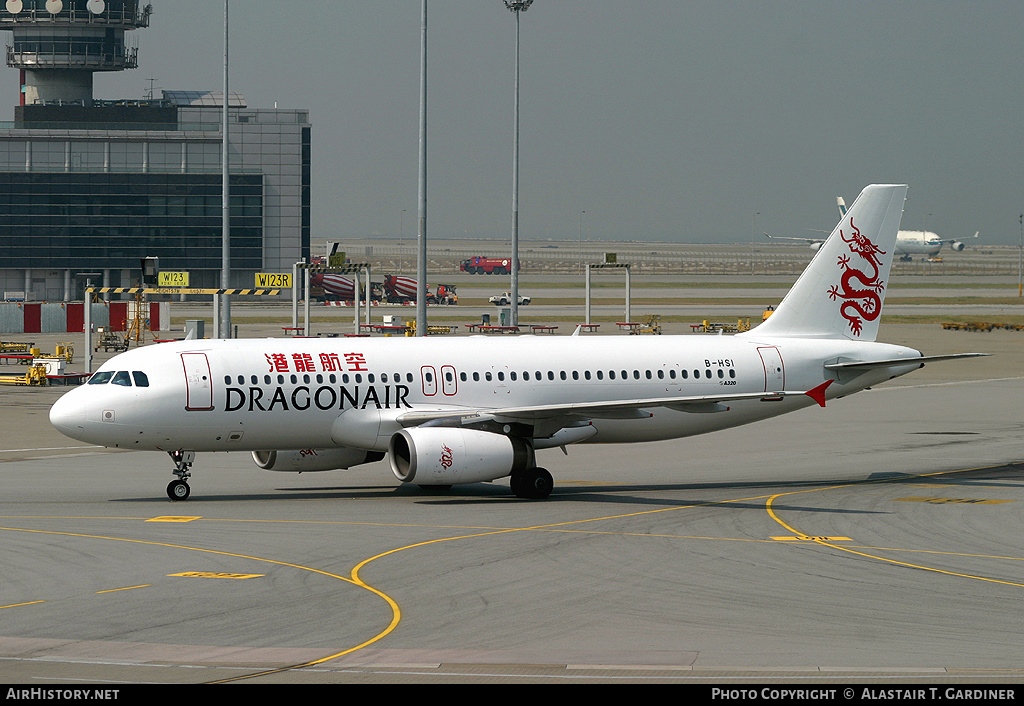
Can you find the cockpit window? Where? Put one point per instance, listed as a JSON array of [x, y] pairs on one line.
[[141, 380], [101, 378], [121, 377]]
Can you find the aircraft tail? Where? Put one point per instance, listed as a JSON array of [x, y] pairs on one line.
[[840, 294]]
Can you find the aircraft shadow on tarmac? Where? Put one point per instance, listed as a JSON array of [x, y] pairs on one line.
[[644, 494], [641, 494]]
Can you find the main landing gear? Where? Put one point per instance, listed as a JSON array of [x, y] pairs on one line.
[[532, 483], [178, 489]]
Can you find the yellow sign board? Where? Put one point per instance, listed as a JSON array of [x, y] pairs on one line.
[[274, 279], [172, 279]]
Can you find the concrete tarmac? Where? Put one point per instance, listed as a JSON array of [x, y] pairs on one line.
[[877, 540]]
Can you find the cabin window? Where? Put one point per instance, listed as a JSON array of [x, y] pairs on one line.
[[721, 373], [476, 377], [526, 375], [141, 380], [501, 376], [575, 374], [600, 375], [487, 376], [732, 373], [512, 376], [661, 374], [611, 374], [586, 374], [562, 375], [684, 373]]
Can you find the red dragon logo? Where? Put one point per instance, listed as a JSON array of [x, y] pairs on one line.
[[446, 457], [863, 304]]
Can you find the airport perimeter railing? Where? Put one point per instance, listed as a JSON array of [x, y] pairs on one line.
[[733, 259]]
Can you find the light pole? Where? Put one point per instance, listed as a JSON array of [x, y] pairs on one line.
[[581, 241], [225, 251], [401, 244], [421, 238], [753, 238], [516, 6]]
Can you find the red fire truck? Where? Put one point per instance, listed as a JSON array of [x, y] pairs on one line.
[[487, 265]]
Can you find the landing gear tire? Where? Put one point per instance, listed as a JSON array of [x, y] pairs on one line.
[[532, 484], [178, 490]]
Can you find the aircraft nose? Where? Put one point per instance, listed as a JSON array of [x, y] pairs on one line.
[[67, 415]]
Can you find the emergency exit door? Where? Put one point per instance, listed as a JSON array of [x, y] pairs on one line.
[[774, 370]]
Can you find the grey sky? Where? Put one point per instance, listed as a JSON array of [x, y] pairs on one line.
[[662, 120]]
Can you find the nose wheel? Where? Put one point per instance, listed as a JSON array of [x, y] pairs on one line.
[[179, 489]]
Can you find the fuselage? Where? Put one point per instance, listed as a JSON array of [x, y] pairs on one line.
[[256, 394], [917, 242]]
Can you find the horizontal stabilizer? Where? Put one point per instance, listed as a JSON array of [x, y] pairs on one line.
[[891, 362]]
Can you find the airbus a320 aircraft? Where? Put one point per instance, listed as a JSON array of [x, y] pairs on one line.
[[477, 409]]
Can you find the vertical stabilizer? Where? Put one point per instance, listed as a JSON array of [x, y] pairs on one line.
[[840, 294]]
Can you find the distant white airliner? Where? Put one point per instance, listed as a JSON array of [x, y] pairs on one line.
[[908, 242], [476, 409]]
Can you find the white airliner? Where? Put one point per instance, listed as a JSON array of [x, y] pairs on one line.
[[908, 242], [476, 409]]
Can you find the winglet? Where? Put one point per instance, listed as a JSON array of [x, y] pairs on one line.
[[818, 393]]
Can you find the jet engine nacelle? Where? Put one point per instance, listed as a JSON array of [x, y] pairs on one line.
[[957, 246], [452, 455], [302, 460]]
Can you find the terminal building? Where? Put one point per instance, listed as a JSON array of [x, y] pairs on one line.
[[94, 186]]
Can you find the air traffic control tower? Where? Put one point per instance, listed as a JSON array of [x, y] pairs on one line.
[[93, 184], [59, 44]]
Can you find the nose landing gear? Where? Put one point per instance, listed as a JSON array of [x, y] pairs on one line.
[[179, 489]]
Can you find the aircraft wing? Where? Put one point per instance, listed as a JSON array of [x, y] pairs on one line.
[[618, 409], [960, 240], [809, 241]]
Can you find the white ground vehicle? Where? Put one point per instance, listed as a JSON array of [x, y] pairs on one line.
[[505, 298]]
